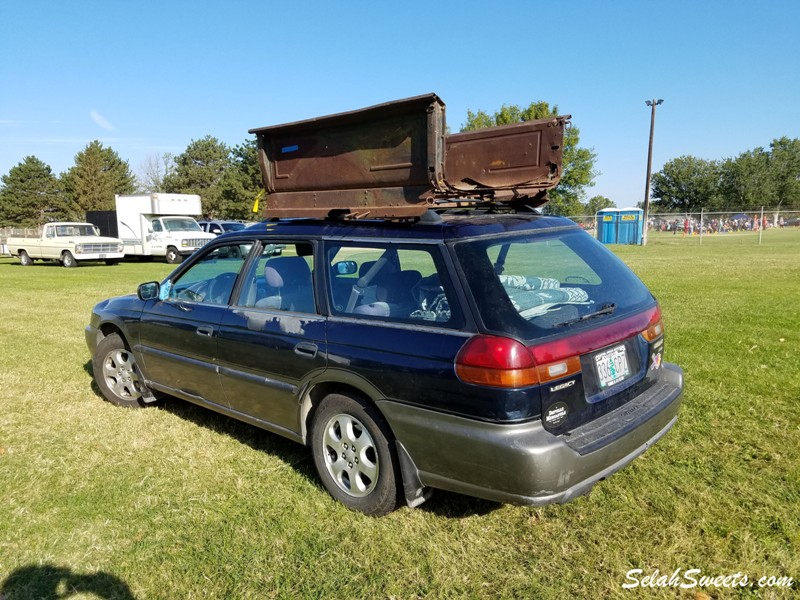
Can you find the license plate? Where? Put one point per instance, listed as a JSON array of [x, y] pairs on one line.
[[612, 366], [102, 255]]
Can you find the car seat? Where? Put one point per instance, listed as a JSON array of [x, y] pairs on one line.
[[289, 279], [389, 291]]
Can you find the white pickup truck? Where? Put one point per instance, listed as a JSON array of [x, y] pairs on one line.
[[67, 243]]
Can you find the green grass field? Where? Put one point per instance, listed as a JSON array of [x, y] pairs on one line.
[[177, 502]]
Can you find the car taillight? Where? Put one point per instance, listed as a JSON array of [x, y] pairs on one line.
[[501, 362], [496, 361], [655, 328]]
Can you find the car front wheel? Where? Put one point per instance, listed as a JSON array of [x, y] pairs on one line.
[[173, 256], [68, 260], [117, 375], [354, 455]]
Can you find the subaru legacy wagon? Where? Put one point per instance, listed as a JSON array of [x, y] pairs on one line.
[[507, 357]]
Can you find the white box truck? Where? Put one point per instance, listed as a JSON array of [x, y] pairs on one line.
[[154, 224]]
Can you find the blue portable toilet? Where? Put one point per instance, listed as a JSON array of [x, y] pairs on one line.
[[620, 225], [607, 225], [630, 226]]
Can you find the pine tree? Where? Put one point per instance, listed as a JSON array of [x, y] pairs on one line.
[[30, 195], [199, 170], [98, 174]]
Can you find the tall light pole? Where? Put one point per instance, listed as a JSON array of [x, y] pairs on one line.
[[652, 104]]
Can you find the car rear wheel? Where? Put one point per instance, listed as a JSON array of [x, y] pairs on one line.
[[117, 375], [68, 260], [173, 256], [354, 455], [24, 259]]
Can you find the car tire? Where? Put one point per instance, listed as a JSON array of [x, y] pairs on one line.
[[173, 256], [68, 260], [117, 375], [24, 259], [354, 455]]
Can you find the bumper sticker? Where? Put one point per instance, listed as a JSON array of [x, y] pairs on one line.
[[655, 361], [556, 414]]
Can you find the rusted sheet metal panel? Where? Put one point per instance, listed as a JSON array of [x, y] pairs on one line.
[[394, 160], [504, 162], [381, 160]]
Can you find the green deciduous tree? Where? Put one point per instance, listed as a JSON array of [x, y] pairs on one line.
[[241, 183], [755, 178], [200, 170], [30, 195], [98, 174], [598, 203], [785, 171], [745, 181], [686, 184], [578, 171]]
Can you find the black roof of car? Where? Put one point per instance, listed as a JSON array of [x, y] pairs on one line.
[[450, 227]]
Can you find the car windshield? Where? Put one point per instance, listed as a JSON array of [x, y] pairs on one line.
[[177, 224], [74, 229], [541, 284]]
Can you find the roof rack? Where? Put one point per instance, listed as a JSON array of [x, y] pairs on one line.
[[395, 161]]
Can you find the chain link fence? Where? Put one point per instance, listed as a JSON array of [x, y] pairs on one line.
[[698, 224]]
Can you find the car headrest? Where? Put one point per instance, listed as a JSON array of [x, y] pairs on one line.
[[286, 271]]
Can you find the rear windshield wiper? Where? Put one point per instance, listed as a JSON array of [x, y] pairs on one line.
[[606, 309]]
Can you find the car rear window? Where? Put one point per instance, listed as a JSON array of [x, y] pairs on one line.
[[540, 284]]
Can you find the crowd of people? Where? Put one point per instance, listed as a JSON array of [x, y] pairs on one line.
[[690, 226]]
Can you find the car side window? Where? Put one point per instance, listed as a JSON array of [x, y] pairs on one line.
[[390, 282], [211, 279], [281, 279]]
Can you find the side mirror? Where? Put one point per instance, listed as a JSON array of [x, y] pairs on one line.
[[345, 267], [148, 291]]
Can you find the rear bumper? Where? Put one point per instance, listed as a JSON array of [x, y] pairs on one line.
[[524, 463]]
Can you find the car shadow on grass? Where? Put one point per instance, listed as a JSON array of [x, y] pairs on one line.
[[441, 503], [258, 439], [295, 455], [457, 506], [52, 582]]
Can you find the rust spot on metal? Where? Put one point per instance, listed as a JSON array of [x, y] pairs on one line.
[[394, 160]]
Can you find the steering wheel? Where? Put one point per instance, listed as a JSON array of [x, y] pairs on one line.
[[189, 294], [220, 288]]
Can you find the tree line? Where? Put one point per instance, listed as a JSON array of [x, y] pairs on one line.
[[756, 178], [228, 179]]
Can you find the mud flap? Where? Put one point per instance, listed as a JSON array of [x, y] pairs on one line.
[[415, 493]]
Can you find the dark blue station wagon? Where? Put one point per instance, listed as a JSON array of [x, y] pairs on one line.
[[508, 357]]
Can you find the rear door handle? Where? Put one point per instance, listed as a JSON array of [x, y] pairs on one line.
[[205, 330], [306, 350]]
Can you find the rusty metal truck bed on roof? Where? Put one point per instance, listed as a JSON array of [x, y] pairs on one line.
[[395, 160]]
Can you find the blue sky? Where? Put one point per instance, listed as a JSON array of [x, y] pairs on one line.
[[147, 77]]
